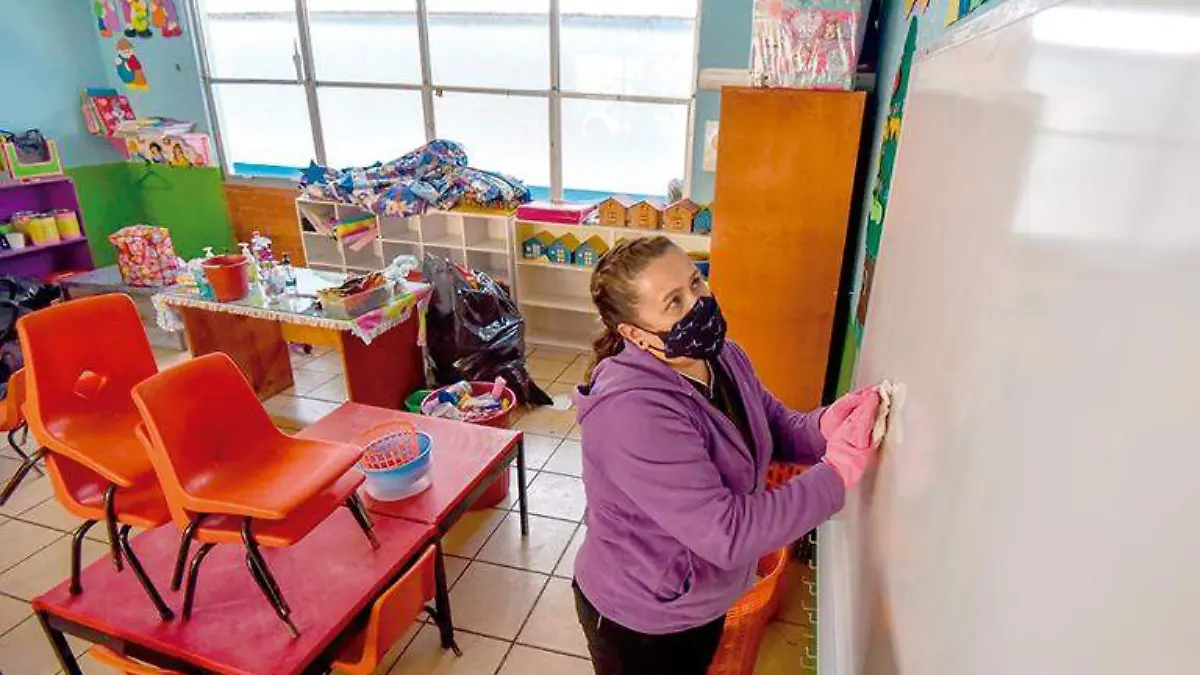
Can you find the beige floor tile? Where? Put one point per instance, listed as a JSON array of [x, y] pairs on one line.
[[21, 540], [524, 660], [34, 490], [546, 421], [782, 651], [539, 552], [425, 656], [576, 433], [511, 499], [471, 532], [557, 497], [44, 569], [797, 595], [298, 412], [328, 363], [51, 513], [565, 356], [333, 391], [538, 450], [304, 381], [553, 624], [24, 650], [574, 373], [494, 600], [9, 463], [12, 612], [568, 459], [566, 566], [454, 569], [546, 370]]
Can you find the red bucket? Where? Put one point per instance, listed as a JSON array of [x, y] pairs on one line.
[[229, 276], [499, 420]]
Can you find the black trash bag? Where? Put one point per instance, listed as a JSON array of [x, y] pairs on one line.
[[18, 297], [474, 331]]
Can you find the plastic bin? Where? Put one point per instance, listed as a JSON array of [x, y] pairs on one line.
[[500, 420], [412, 404], [746, 622]]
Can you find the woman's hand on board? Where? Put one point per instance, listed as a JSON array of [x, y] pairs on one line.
[[849, 451], [836, 414]]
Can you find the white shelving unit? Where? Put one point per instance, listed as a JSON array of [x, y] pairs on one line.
[[481, 241], [556, 299]]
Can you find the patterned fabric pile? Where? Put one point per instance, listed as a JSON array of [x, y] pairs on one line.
[[434, 175]]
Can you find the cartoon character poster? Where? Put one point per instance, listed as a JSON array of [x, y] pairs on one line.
[[106, 17], [165, 18], [129, 68], [137, 18], [916, 6], [177, 151]]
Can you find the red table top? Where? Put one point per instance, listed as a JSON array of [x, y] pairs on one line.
[[327, 578], [463, 455]]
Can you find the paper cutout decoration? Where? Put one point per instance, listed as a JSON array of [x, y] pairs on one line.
[[106, 17], [164, 17], [137, 18], [957, 9], [129, 68], [711, 130], [917, 6]]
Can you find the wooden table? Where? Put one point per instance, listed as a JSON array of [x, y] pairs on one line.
[[331, 578], [382, 365], [467, 459]]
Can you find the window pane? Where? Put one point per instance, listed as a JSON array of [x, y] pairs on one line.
[[475, 43], [251, 39], [363, 126], [282, 137], [631, 48], [365, 40], [509, 134], [611, 146]]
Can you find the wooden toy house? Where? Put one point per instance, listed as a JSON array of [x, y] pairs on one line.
[[646, 215], [589, 252], [678, 216], [614, 211], [562, 251], [702, 222], [536, 246]]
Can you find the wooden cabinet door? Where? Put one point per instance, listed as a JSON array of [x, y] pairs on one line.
[[785, 176]]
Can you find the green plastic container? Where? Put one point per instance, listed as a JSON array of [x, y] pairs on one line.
[[413, 403]]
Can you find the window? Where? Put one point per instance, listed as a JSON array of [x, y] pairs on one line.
[[571, 96]]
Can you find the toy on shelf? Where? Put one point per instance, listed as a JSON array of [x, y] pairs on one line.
[[589, 252], [104, 110], [145, 255], [810, 44], [700, 260], [28, 156], [356, 231], [646, 215], [614, 211], [702, 222], [156, 140], [678, 216], [565, 214], [562, 251], [536, 245]]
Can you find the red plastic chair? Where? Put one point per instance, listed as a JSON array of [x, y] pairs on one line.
[[82, 358], [230, 475], [14, 423], [125, 664]]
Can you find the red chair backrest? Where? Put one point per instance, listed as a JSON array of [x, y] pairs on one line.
[[394, 612]]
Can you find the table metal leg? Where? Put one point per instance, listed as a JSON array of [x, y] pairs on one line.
[[522, 497], [441, 598], [62, 650]]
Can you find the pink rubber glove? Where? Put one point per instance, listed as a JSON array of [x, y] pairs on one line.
[[849, 451], [841, 409]]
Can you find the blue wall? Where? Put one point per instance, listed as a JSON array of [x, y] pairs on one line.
[[50, 55], [724, 43]]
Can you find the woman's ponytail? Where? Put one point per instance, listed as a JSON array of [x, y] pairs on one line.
[[613, 292]]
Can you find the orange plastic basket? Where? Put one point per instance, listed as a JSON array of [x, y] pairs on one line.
[[746, 623]]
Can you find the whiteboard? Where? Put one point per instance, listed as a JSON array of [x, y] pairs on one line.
[[1037, 504]]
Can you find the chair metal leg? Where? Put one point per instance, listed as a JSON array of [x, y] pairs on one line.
[[185, 544], [138, 571], [442, 599], [265, 580], [189, 593], [110, 521], [23, 427], [359, 510], [76, 554], [13, 483]]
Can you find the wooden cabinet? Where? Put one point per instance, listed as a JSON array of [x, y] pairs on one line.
[[785, 178]]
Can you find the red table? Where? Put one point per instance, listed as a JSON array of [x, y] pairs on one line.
[[331, 578], [467, 459]]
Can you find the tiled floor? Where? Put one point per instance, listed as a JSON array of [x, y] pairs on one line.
[[512, 598]]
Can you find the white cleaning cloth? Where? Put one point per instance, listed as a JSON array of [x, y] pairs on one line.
[[887, 392]]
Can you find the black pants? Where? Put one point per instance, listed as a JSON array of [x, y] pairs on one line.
[[617, 650]]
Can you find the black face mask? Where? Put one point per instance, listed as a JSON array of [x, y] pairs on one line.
[[700, 334]]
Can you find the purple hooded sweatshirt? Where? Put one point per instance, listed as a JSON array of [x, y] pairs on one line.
[[678, 514]]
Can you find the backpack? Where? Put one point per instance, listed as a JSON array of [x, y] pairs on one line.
[[18, 297]]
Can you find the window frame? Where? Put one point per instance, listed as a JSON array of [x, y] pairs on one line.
[[554, 96]]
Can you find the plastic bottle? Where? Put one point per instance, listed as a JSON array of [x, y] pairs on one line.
[[253, 261], [289, 275]]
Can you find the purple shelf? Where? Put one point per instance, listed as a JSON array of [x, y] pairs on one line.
[[40, 196]]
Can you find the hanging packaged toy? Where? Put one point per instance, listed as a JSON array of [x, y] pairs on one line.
[[806, 44], [145, 255]]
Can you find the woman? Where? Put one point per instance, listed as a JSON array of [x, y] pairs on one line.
[[677, 435]]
